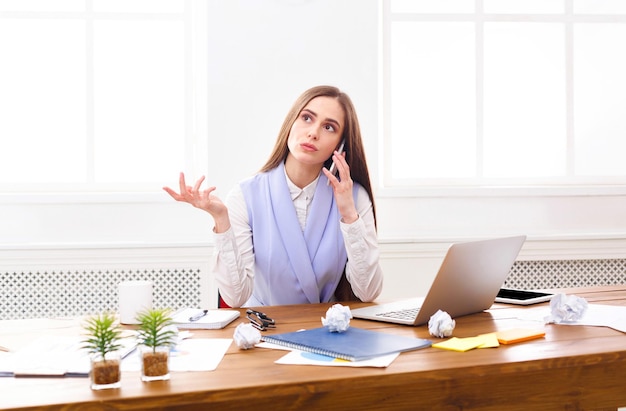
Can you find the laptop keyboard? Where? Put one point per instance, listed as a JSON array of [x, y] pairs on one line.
[[406, 314]]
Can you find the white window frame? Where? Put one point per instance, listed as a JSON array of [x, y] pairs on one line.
[[196, 101], [388, 187]]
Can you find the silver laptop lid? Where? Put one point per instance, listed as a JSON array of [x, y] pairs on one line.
[[470, 277], [467, 282]]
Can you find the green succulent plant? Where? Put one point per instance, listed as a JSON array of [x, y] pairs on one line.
[[103, 334], [153, 331]]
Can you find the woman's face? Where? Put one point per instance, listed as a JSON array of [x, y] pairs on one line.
[[317, 131]]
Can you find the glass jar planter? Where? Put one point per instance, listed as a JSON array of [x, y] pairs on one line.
[[155, 363], [105, 372]]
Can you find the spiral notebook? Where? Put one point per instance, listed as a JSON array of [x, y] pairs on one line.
[[354, 344]]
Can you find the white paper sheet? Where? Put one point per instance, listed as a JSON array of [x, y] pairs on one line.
[[296, 357], [52, 356], [195, 354], [604, 316], [599, 315]]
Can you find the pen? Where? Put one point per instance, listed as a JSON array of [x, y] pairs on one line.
[[196, 317]]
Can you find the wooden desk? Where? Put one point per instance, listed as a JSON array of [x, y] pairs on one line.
[[572, 368]]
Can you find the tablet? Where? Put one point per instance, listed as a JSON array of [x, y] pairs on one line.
[[522, 297]]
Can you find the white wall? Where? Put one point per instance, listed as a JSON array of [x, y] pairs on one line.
[[538, 216], [262, 55]]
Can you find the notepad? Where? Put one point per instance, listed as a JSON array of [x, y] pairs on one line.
[[354, 344], [515, 335], [214, 319], [459, 344], [469, 343]]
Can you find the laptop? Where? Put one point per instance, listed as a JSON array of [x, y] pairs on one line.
[[468, 281]]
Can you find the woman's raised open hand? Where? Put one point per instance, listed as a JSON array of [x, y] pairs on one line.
[[202, 199]]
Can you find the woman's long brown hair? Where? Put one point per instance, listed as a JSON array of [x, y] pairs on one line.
[[355, 155]]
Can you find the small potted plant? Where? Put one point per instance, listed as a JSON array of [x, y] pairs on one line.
[[103, 343], [156, 336]]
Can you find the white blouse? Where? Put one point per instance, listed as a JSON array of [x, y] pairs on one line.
[[234, 253]]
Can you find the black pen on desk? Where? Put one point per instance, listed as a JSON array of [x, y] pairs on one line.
[[196, 317]]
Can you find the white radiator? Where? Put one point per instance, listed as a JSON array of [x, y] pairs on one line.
[[58, 282], [59, 293], [566, 273]]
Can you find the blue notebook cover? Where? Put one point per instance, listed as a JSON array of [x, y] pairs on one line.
[[354, 344]]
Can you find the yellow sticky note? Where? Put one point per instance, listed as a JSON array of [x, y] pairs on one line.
[[460, 344], [489, 340]]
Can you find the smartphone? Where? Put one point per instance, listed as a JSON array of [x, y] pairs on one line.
[[522, 297], [332, 166]]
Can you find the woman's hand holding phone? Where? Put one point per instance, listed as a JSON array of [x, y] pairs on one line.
[[342, 188]]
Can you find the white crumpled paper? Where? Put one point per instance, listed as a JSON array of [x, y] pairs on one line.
[[337, 318], [441, 324], [566, 309], [246, 336]]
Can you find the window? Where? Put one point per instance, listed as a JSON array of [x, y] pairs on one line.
[[504, 92], [99, 95]]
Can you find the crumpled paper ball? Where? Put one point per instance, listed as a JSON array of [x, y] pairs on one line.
[[566, 309], [246, 336], [441, 324], [337, 318]]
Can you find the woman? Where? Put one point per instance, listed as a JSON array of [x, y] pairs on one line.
[[292, 232]]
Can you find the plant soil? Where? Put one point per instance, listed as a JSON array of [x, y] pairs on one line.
[[106, 372], [155, 364]]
